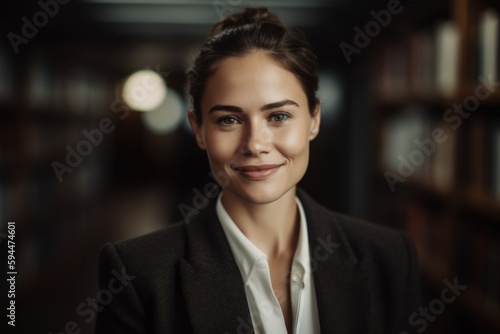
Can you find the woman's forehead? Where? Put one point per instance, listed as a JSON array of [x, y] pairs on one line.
[[255, 77]]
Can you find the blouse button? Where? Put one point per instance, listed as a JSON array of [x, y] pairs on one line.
[[296, 277]]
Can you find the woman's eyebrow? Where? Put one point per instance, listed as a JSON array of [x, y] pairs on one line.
[[269, 106], [279, 104], [219, 107]]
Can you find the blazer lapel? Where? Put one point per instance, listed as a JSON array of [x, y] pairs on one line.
[[340, 283], [211, 281]]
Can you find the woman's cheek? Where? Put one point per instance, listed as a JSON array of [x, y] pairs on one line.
[[294, 142], [221, 148]]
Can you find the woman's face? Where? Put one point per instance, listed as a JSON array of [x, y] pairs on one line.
[[256, 128]]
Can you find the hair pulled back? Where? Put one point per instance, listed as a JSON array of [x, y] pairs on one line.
[[250, 30]]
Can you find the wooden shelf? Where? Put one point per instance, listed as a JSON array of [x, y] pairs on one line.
[[462, 199], [470, 89], [482, 204], [437, 99]]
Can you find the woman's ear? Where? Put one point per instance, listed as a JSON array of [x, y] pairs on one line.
[[196, 128], [315, 121]]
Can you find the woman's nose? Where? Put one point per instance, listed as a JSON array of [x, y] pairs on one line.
[[257, 139]]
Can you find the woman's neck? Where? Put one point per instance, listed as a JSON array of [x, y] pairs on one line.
[[272, 227]]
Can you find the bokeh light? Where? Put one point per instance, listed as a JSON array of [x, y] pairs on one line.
[[167, 116], [144, 90]]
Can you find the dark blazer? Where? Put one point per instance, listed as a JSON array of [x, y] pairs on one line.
[[184, 279]]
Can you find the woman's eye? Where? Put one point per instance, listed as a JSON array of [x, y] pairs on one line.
[[280, 117], [228, 120]]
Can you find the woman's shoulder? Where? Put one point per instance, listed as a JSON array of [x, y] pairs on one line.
[[163, 246], [387, 255], [368, 233], [169, 237], [363, 238]]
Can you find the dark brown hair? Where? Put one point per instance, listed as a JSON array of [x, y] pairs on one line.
[[247, 31]]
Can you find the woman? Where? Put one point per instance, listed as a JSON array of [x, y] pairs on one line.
[[262, 257]]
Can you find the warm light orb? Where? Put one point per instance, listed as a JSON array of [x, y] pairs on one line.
[[167, 117], [144, 90]]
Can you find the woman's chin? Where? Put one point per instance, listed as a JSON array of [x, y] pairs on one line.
[[259, 194]]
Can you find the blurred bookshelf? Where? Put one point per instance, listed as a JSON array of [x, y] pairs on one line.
[[58, 94], [438, 150]]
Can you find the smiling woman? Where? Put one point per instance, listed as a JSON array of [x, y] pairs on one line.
[[256, 127], [263, 257]]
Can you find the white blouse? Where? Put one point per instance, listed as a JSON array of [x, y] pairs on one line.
[[264, 307]]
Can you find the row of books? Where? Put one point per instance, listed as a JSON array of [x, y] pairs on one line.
[[424, 63], [492, 179], [54, 87], [483, 157], [427, 62], [419, 146], [489, 40], [73, 92]]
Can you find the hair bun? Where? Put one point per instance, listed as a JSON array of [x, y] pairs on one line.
[[247, 16]]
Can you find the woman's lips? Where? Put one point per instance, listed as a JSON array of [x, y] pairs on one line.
[[258, 172]]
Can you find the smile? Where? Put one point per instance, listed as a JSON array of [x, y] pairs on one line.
[[258, 172]]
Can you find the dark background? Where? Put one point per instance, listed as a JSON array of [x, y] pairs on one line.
[[67, 78]]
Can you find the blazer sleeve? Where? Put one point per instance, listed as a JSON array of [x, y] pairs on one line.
[[120, 309], [410, 298]]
